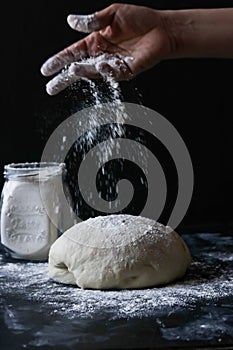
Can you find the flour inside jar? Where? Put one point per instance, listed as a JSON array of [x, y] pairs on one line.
[[26, 228]]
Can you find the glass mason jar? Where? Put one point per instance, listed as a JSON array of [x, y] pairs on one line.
[[31, 210]]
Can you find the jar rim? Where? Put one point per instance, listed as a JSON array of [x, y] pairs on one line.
[[32, 165], [33, 169]]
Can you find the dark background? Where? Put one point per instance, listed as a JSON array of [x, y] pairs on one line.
[[195, 95]]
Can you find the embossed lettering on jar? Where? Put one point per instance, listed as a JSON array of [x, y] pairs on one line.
[[27, 231]]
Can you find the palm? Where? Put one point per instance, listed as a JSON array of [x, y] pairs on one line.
[[139, 34]]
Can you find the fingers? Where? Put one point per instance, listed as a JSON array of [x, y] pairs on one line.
[[92, 45], [92, 22], [73, 53], [60, 82], [80, 50], [106, 65], [54, 64], [75, 72], [113, 66], [83, 23]]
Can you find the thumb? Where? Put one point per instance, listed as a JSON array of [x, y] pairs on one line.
[[92, 22]]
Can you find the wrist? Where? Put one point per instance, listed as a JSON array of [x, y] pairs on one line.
[[200, 32], [180, 27]]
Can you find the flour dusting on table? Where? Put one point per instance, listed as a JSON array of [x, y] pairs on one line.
[[208, 279]]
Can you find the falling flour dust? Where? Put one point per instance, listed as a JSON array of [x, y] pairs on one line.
[[99, 95]]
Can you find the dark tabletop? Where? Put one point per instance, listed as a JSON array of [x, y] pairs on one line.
[[197, 311]]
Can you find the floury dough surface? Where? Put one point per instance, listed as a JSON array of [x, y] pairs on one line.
[[118, 252]]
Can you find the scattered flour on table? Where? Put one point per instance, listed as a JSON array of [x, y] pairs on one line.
[[31, 281]]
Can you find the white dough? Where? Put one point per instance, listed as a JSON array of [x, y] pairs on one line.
[[118, 252]]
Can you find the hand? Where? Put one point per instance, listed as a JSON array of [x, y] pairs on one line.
[[125, 40]]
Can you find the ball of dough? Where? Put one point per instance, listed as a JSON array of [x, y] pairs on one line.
[[118, 252]]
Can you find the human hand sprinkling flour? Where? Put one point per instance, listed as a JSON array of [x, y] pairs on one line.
[[120, 45], [126, 40]]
